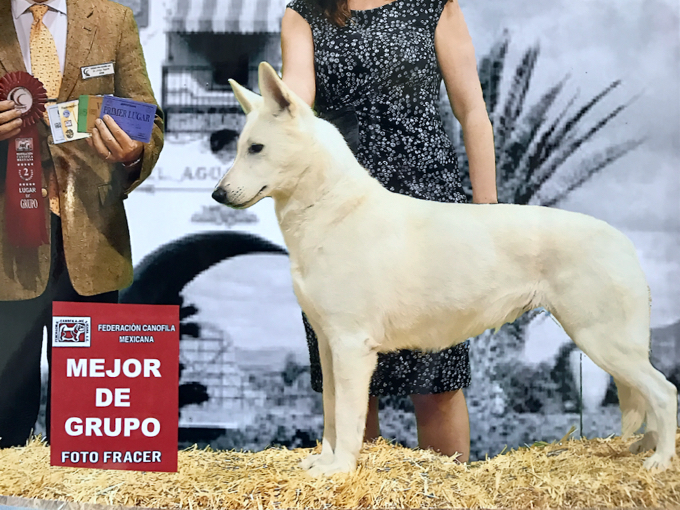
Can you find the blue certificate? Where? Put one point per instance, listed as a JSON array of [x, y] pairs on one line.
[[133, 117]]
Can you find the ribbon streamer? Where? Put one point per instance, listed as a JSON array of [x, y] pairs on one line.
[[25, 223]]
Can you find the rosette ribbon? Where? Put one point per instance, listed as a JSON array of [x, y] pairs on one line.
[[24, 204]]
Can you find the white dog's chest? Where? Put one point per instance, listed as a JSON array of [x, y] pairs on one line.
[[299, 288]]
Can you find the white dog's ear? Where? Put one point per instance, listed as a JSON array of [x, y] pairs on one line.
[[277, 96], [247, 99]]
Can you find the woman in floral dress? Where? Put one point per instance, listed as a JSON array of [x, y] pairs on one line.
[[374, 69]]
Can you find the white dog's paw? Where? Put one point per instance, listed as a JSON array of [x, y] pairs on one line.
[[648, 442], [658, 462], [316, 458], [336, 466], [309, 461]]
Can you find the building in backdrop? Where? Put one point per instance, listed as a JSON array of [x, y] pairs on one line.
[[209, 43]]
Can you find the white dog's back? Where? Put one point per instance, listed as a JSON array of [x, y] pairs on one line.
[[473, 266]]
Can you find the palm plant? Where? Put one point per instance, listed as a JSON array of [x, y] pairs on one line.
[[532, 146]]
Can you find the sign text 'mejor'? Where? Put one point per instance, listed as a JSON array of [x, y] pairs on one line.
[[131, 368]]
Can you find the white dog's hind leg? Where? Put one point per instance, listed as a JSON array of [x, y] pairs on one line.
[[662, 419], [629, 363], [633, 409], [610, 323], [353, 366], [650, 438], [328, 442]]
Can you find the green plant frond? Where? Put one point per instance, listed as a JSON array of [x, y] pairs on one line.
[[559, 151], [562, 154], [576, 118], [513, 166], [564, 137], [537, 155], [491, 72], [546, 144], [597, 163], [537, 113], [534, 120], [516, 96]]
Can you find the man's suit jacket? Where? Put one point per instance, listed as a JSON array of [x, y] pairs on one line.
[[91, 191]]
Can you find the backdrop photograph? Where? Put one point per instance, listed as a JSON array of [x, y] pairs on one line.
[[584, 99]]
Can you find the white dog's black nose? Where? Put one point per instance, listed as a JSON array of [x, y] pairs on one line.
[[220, 195]]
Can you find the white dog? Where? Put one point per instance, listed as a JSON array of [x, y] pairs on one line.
[[376, 271]]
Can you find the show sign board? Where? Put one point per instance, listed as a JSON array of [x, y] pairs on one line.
[[115, 376]]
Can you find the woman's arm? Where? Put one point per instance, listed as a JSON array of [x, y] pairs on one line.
[[456, 56], [297, 56]]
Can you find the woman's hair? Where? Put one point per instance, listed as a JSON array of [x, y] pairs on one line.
[[336, 11]]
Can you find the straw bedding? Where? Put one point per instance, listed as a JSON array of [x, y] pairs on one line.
[[568, 473]]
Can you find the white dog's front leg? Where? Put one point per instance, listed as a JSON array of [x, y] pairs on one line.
[[353, 366], [328, 442]]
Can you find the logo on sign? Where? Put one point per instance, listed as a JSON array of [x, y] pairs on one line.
[[71, 331], [24, 144]]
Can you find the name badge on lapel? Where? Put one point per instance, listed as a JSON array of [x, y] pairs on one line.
[[96, 71]]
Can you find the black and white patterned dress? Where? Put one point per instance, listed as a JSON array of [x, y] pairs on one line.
[[378, 81]]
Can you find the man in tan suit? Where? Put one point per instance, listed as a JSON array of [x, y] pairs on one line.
[[84, 183]]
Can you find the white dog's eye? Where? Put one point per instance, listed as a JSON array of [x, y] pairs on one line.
[[255, 148]]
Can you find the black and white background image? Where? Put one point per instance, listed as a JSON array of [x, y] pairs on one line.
[[584, 98]]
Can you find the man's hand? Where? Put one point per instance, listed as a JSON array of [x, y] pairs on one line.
[[112, 144], [10, 122]]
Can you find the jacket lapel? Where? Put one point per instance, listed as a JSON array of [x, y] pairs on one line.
[[81, 31], [11, 58]]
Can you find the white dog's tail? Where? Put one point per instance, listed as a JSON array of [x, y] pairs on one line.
[[633, 409]]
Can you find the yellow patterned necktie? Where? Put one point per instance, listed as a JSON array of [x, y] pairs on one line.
[[44, 58], [45, 67]]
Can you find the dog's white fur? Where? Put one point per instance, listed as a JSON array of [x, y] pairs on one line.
[[376, 271]]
